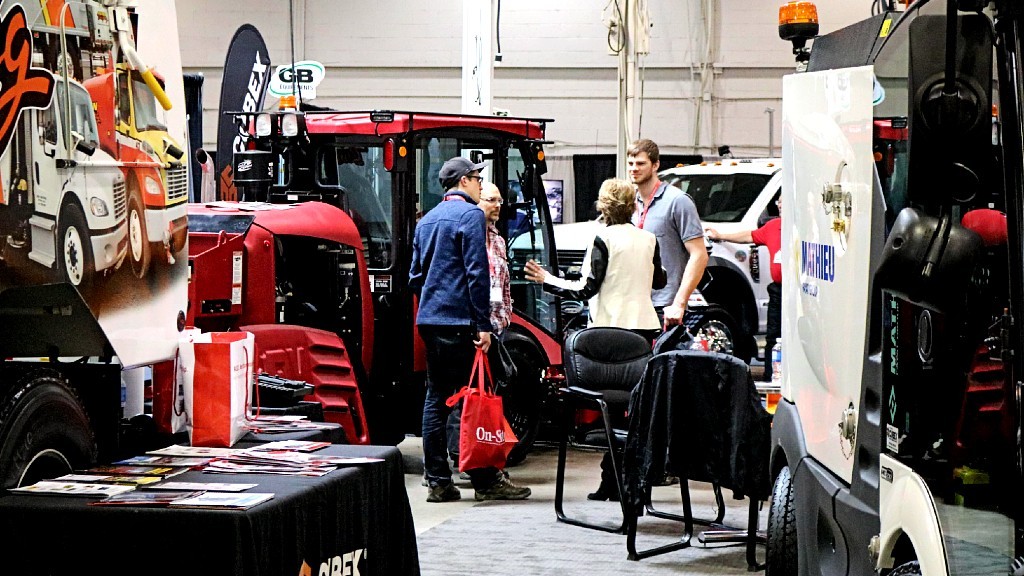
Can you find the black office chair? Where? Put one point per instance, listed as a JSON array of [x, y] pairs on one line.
[[704, 410], [602, 366]]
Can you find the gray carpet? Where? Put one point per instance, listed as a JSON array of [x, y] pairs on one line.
[[523, 538]]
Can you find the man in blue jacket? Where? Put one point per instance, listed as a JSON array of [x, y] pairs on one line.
[[450, 272]]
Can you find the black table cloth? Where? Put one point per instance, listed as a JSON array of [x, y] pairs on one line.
[[355, 520]]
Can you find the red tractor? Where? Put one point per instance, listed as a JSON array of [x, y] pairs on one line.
[[378, 172], [291, 276]]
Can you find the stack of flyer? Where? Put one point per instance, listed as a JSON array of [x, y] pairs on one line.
[[60, 488], [188, 499], [284, 462]]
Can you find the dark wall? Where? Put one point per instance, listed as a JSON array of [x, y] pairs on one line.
[[590, 170], [194, 110]]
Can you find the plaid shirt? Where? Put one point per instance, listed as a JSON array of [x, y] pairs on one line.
[[501, 312]]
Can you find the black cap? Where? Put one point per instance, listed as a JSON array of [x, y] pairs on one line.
[[454, 169]]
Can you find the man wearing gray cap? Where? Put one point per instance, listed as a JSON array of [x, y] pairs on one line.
[[450, 272]]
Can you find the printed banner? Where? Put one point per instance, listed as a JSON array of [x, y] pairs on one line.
[[246, 76]]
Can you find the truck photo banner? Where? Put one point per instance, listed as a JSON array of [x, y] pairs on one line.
[[87, 200]]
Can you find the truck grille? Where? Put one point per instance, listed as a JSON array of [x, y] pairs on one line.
[[570, 262], [177, 183], [120, 200]]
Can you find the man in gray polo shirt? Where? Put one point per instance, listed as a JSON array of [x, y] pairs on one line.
[[669, 214]]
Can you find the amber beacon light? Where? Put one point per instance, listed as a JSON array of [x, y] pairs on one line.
[[798, 23]]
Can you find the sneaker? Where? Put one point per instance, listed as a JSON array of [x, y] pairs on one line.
[[503, 489], [444, 493]]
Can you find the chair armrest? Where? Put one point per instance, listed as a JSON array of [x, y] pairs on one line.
[[582, 393]]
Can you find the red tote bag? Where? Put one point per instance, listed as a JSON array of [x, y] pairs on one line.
[[217, 388], [485, 437]]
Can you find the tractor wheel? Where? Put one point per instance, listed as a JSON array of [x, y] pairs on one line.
[[138, 240], [523, 397], [781, 554], [44, 431], [74, 250]]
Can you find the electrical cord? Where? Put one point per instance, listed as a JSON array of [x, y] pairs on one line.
[[620, 38]]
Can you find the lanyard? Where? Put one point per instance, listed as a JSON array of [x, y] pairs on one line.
[[647, 205]]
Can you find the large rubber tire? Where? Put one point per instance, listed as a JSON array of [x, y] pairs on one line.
[[44, 431], [139, 251], [74, 250], [781, 554], [908, 569], [523, 398]]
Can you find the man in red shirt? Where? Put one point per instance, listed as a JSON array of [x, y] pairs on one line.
[[769, 235]]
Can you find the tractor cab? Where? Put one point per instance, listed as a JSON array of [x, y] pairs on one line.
[[381, 168]]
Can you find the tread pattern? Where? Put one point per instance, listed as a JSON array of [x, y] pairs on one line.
[[781, 554]]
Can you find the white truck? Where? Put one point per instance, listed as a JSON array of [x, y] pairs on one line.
[[896, 447], [65, 200]]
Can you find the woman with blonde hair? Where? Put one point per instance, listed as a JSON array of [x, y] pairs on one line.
[[619, 269]]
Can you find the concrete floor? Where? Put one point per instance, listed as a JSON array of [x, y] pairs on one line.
[[537, 472]]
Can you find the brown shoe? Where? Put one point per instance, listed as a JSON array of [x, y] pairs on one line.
[[444, 493], [503, 489]]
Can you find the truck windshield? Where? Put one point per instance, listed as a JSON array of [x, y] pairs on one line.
[[82, 121], [148, 114], [721, 197]]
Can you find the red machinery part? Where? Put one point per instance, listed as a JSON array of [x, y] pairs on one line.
[[319, 358]]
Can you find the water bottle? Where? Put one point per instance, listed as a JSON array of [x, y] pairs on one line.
[[777, 363]]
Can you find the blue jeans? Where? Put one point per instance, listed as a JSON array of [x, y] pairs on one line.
[[450, 354]]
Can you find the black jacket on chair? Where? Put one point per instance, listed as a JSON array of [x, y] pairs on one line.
[[703, 408]]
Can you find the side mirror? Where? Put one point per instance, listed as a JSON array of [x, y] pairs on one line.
[[173, 151], [80, 143]]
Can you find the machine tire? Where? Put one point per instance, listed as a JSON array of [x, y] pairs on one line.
[[74, 250], [781, 550], [139, 252], [908, 569], [718, 319], [44, 431], [523, 398]]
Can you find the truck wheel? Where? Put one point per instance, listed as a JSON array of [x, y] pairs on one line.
[[523, 397], [75, 250], [908, 569], [722, 333], [781, 553], [44, 432], [138, 239]]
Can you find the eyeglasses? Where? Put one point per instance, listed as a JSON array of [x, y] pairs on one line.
[[497, 201], [479, 179]]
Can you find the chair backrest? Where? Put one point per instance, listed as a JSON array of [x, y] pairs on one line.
[[605, 358], [704, 408]]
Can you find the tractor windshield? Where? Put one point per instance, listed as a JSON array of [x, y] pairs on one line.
[[525, 219], [365, 188]]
